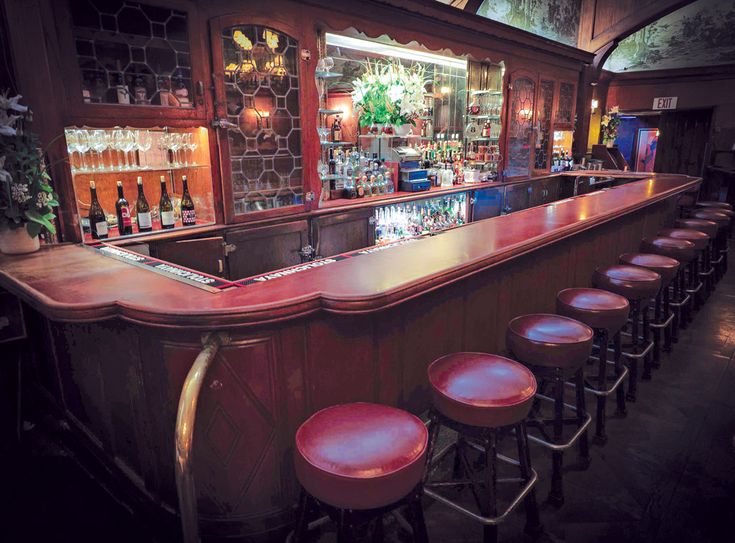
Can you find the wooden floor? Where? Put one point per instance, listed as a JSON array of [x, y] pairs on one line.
[[667, 473]]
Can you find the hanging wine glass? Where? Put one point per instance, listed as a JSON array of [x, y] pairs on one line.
[[163, 146], [118, 136], [129, 145], [174, 145], [192, 145]]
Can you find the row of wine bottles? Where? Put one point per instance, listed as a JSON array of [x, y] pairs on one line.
[[98, 219]]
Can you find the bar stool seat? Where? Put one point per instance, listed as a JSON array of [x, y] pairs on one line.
[[708, 227], [722, 219], [596, 308], [699, 239], [663, 265], [678, 249], [550, 341], [360, 455], [714, 205], [480, 389], [632, 282]]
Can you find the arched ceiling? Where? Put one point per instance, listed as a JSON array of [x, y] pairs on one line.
[[699, 34]]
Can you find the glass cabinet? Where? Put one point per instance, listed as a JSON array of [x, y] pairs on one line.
[[399, 221], [522, 104], [261, 119], [131, 181]]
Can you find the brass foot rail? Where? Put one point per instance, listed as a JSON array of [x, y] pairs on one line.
[[185, 419]]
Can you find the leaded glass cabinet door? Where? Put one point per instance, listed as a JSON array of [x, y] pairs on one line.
[[564, 116], [521, 106], [259, 113], [541, 161]]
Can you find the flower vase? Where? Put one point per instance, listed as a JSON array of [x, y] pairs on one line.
[[17, 241], [402, 130], [387, 129]]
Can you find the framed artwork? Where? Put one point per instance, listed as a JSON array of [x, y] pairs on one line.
[[645, 155]]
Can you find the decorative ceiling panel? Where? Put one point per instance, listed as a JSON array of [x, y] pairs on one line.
[[554, 19], [699, 34]]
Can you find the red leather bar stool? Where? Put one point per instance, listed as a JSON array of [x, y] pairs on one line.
[[357, 462], [701, 243], [685, 252], [723, 218], [663, 317], [714, 204], [709, 228], [639, 286], [606, 313], [481, 397], [555, 348]]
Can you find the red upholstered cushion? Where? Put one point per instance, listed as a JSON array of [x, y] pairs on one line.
[[360, 455], [595, 307], [633, 282], [708, 227], [713, 204], [481, 389], [663, 265], [722, 220], [549, 340], [699, 239], [680, 249]]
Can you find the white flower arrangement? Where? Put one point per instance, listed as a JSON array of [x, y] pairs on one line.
[[389, 93]]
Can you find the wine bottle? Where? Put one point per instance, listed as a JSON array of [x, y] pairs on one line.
[[143, 210], [97, 217], [122, 207], [168, 220], [188, 214]]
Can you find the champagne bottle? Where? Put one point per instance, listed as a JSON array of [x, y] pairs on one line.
[[166, 208], [97, 217], [122, 207], [188, 214], [143, 210]]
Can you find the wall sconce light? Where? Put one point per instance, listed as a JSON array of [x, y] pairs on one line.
[[264, 119], [595, 104]]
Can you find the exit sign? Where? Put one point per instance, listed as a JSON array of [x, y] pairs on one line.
[[665, 102]]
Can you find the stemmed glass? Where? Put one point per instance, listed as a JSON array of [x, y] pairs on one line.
[[71, 147], [192, 146], [98, 144], [174, 144], [82, 145], [144, 142], [163, 145], [118, 136], [129, 144]]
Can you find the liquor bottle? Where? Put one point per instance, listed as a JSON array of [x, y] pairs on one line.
[[121, 90], [143, 210], [182, 93], [337, 129], [332, 163], [168, 220], [97, 217], [140, 92], [188, 214], [122, 208], [486, 129], [164, 91]]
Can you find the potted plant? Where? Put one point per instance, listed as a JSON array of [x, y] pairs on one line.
[[389, 94], [609, 126], [26, 197]]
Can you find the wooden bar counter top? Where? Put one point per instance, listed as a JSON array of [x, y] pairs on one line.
[[74, 284], [113, 343]]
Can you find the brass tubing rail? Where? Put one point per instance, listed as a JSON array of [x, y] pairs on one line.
[[185, 419]]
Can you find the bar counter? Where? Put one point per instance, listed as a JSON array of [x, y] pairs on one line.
[[360, 328]]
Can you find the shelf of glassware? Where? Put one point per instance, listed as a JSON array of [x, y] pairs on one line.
[[419, 217], [107, 156]]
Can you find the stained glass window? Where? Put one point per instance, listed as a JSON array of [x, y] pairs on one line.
[[262, 95], [566, 103], [520, 126], [546, 101]]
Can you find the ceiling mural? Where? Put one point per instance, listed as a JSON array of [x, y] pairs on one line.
[[554, 19], [699, 34]]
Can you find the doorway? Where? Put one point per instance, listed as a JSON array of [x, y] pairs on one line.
[[682, 140]]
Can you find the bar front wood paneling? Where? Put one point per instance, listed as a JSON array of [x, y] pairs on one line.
[[117, 341]]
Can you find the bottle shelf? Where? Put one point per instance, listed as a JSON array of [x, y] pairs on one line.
[[334, 143], [330, 111], [486, 91], [494, 117], [393, 136], [139, 170], [484, 139], [331, 177], [156, 229], [327, 75]]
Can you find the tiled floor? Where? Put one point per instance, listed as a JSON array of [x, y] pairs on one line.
[[667, 473]]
